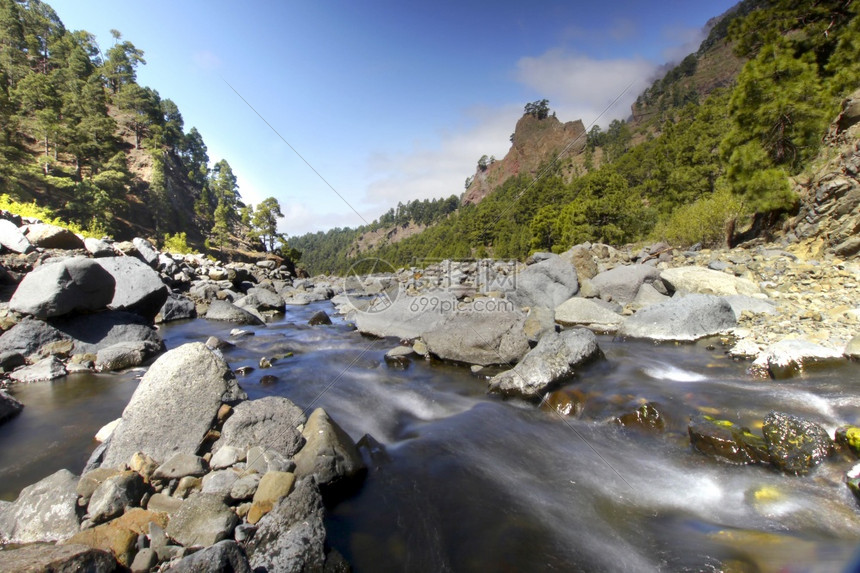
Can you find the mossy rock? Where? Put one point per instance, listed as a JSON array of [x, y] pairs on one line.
[[726, 441], [849, 437], [795, 445]]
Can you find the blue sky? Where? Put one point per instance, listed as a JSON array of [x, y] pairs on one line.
[[388, 100]]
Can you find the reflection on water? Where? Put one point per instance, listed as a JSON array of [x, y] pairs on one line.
[[474, 483]]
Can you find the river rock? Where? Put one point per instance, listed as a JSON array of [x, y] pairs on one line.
[[587, 313], [115, 495], [44, 511], [92, 333], [291, 537], [492, 337], [726, 441], [121, 536], [582, 259], [790, 356], [180, 465], [795, 445], [204, 520], [407, 317], [226, 556], [13, 239], [44, 557], [146, 251], [245, 487], [9, 406], [174, 406], [319, 317], [228, 312], [91, 480], [548, 364], [262, 460], [219, 482], [268, 422], [55, 289], [646, 296], [742, 303], [264, 299], [123, 355], [547, 283], [273, 487], [98, 248], [706, 281], [227, 456], [176, 307], [329, 454], [28, 336], [686, 318], [622, 283], [49, 368], [51, 237], [139, 289]]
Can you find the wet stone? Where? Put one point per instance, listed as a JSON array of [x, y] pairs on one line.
[[726, 441], [795, 445]]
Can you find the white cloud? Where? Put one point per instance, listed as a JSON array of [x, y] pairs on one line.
[[685, 42], [580, 87], [438, 168]]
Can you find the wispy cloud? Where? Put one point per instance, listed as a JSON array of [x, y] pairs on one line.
[[684, 40], [580, 87]]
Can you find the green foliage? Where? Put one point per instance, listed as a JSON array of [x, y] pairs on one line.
[[265, 221], [177, 243], [705, 221], [538, 109], [32, 210]]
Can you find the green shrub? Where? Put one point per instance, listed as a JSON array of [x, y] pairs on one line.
[[177, 243], [704, 221], [31, 210]]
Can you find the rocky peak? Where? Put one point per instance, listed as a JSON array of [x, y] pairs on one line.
[[534, 142]]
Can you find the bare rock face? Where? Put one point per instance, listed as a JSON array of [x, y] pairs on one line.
[[534, 141], [174, 406]]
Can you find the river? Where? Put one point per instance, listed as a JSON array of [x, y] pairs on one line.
[[470, 482]]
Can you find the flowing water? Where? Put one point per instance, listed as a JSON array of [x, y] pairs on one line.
[[469, 482]]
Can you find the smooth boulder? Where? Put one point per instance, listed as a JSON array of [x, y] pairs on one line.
[[92, 333], [225, 311], [28, 336], [44, 511], [78, 284], [203, 520], [549, 363], [329, 453], [491, 337], [407, 317], [790, 356], [174, 405], [13, 239], [587, 313], [139, 289], [226, 556], [547, 283], [176, 307], [268, 422], [51, 237], [622, 283], [682, 319], [700, 280]]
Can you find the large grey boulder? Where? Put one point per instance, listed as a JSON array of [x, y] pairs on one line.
[[621, 284], [226, 556], [586, 312], [176, 307], [407, 317], [492, 337], [51, 237], [139, 289], [44, 511], [262, 299], [95, 332], [743, 303], [146, 251], [549, 363], [291, 537], [13, 239], [269, 422], [123, 355], [203, 520], [98, 247], [49, 368], [174, 406], [547, 283], [9, 406], [684, 319], [28, 336], [45, 557], [329, 453], [55, 289], [706, 281], [224, 311], [114, 496]]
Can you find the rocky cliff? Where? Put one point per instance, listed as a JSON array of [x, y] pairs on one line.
[[534, 143], [829, 215]]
